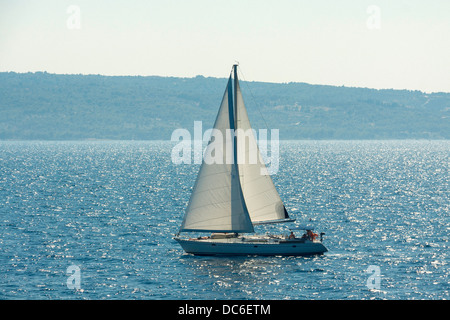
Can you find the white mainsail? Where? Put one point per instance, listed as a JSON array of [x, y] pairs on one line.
[[217, 202], [231, 196]]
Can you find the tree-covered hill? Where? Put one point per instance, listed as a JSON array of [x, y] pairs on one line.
[[74, 107]]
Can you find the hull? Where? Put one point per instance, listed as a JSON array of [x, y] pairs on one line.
[[243, 246]]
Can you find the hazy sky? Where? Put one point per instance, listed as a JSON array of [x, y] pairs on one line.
[[377, 44]]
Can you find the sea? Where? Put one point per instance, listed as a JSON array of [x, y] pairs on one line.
[[95, 220]]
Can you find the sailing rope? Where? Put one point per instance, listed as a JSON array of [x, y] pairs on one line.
[[253, 97], [257, 107]]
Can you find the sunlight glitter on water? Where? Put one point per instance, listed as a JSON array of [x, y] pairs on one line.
[[112, 208]]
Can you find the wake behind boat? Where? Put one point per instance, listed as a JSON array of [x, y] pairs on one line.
[[235, 192]]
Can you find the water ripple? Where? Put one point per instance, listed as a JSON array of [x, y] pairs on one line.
[[111, 208]]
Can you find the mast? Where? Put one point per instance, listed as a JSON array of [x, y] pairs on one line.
[[235, 121], [235, 94], [236, 188]]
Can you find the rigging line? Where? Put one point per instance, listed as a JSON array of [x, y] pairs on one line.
[[253, 97], [259, 110]]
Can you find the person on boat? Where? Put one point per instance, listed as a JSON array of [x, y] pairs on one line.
[[311, 235], [292, 235]]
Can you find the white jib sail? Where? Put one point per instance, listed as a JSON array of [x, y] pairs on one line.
[[261, 197]]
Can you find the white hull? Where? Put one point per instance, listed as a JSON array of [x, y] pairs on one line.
[[252, 246]]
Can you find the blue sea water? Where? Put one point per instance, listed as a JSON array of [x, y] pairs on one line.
[[112, 208]]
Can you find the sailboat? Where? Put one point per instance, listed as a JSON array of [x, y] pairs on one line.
[[233, 194]]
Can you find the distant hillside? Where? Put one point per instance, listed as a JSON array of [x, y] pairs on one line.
[[71, 107]]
